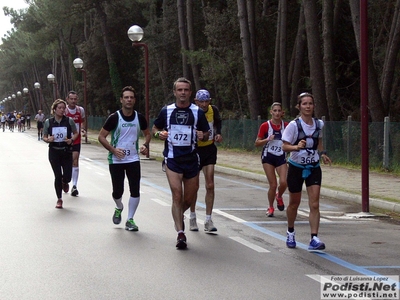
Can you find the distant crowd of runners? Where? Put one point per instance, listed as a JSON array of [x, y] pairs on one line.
[[15, 121]]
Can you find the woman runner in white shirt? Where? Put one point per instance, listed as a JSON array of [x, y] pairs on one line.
[[303, 138]]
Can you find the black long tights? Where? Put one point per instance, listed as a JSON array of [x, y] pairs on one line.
[[61, 163]]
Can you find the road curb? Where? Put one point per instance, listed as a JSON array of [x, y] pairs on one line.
[[325, 192]]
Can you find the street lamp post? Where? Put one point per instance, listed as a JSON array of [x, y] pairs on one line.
[[135, 34], [78, 65], [26, 92], [15, 101], [37, 87], [28, 115], [9, 99], [52, 80], [19, 94]]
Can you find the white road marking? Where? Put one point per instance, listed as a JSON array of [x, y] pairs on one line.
[[306, 213], [229, 216], [248, 244], [160, 202]]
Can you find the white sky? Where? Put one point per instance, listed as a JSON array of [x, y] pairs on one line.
[[5, 24]]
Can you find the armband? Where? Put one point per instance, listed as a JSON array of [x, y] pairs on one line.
[[146, 145]]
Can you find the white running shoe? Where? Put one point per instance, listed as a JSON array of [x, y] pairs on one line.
[[209, 226], [193, 225]]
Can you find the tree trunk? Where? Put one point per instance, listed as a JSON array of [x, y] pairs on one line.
[[315, 57], [329, 61], [383, 32], [392, 50], [195, 67], [182, 36], [375, 104], [163, 57], [253, 42], [276, 81], [282, 54], [264, 8], [254, 104], [337, 13], [298, 57], [113, 70]]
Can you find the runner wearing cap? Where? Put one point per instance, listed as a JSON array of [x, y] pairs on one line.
[[208, 158]]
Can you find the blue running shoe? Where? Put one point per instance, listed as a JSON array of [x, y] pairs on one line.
[[290, 240], [316, 244]]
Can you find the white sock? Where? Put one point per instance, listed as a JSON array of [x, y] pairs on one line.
[[118, 203], [75, 175], [133, 204], [208, 218], [192, 215]]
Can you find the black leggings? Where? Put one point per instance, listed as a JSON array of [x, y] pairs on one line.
[[117, 172], [61, 163]]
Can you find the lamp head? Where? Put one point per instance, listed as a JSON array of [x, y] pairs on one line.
[[135, 33], [78, 63], [51, 78]]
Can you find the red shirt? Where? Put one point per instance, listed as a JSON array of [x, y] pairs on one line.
[[263, 131], [78, 119]]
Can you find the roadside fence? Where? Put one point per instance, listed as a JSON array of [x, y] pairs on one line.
[[342, 139]]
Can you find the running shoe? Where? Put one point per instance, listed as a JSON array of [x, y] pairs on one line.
[[131, 226], [181, 241], [209, 226], [117, 216], [74, 191], [290, 240], [279, 201], [193, 225], [65, 187], [316, 244], [270, 212], [59, 203]]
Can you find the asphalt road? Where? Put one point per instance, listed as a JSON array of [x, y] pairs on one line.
[[78, 253]]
